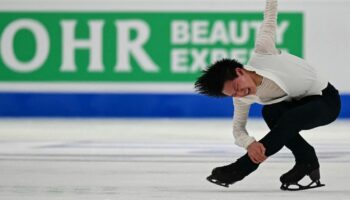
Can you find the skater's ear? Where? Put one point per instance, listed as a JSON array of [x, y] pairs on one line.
[[239, 71]]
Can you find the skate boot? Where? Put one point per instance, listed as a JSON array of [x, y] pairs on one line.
[[226, 175], [299, 171]]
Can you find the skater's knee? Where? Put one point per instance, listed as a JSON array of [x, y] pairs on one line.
[[270, 115], [289, 123], [266, 112]]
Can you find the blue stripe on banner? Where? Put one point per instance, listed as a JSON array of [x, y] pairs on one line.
[[124, 105]]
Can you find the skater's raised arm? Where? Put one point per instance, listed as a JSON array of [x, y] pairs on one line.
[[265, 41]]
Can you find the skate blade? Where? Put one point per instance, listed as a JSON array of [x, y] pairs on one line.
[[217, 182], [301, 187]]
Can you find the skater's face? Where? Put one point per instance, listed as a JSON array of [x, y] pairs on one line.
[[241, 86]]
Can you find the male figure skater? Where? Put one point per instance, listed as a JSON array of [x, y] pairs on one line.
[[295, 98]]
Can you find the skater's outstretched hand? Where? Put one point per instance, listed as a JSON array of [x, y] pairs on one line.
[[256, 152]]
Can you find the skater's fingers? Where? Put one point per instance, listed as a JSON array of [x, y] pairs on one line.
[[256, 152], [261, 153], [260, 157], [255, 161], [253, 158], [262, 148]]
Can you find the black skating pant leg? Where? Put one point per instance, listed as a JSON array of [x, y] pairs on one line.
[[301, 149], [287, 119]]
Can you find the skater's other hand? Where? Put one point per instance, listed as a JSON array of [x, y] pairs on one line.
[[256, 152]]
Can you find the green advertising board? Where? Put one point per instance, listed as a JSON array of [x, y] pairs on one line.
[[130, 46]]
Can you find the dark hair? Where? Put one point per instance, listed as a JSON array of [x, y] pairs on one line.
[[212, 80]]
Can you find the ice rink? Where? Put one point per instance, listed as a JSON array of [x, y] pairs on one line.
[[110, 159]]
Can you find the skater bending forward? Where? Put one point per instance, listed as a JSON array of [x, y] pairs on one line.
[[295, 98]]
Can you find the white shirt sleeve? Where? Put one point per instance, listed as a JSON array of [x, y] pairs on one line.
[[265, 41], [240, 116]]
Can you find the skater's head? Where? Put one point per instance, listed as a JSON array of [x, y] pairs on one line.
[[226, 77]]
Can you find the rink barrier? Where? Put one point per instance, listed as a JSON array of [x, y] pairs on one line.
[[124, 105]]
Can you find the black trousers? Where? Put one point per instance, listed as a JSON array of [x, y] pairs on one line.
[[287, 119]]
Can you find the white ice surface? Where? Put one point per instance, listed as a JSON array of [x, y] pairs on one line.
[[153, 159]]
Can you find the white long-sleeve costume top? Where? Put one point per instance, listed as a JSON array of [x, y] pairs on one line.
[[285, 77]]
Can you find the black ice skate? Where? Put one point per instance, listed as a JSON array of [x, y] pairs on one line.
[[226, 175], [299, 171]]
